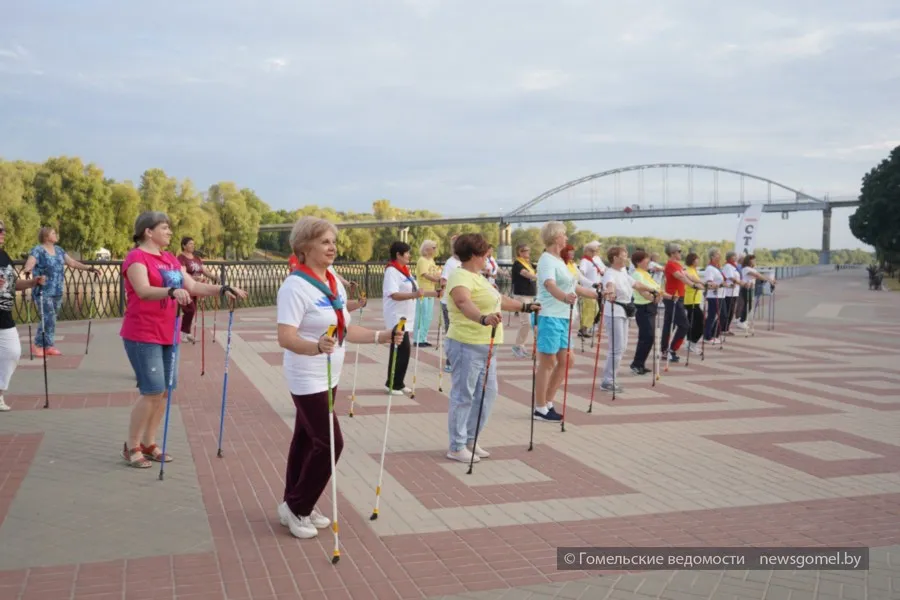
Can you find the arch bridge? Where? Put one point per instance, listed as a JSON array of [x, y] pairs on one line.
[[642, 191]]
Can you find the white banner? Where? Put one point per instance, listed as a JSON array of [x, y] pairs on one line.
[[745, 241]]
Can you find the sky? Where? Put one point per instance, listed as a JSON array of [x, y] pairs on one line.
[[465, 106]]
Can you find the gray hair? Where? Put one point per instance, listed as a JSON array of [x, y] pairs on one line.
[[551, 230], [305, 231], [712, 253], [592, 245], [730, 254], [427, 244], [672, 248], [148, 220]]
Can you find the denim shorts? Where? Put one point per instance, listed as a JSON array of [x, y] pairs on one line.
[[553, 335], [152, 364]]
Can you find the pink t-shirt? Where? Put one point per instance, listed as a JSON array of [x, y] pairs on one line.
[[151, 321]]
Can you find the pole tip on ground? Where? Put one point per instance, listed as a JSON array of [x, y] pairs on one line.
[[335, 559], [220, 454], [374, 516]]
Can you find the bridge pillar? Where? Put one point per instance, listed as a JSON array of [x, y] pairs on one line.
[[404, 235], [504, 251], [825, 254]]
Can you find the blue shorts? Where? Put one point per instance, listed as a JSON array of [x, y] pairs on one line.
[[553, 335], [152, 364]]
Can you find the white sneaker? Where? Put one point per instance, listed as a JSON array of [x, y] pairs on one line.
[[393, 392], [301, 527], [479, 452], [462, 455], [4, 407], [741, 325], [319, 520]]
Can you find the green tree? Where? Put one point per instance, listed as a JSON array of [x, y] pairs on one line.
[[877, 219]]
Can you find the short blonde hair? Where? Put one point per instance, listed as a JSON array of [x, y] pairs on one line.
[[307, 230], [551, 230], [427, 244]]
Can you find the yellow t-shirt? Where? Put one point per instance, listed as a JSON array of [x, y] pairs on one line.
[[425, 266], [484, 296], [692, 296], [644, 277]]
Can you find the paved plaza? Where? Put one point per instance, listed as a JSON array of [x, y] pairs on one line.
[[790, 437]]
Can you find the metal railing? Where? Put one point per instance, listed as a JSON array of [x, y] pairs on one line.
[[103, 297]]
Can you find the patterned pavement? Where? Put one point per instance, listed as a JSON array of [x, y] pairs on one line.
[[790, 438]]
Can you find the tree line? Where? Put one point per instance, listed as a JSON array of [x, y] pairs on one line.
[[91, 211], [877, 218]]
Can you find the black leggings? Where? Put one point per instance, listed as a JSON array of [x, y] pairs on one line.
[[695, 318], [403, 352]]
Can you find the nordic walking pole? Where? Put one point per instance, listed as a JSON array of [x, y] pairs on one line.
[[202, 337], [362, 297], [440, 347], [225, 380], [690, 345], [655, 358], [215, 318], [612, 334], [671, 333], [332, 331], [175, 346], [90, 319], [387, 417], [597, 357], [487, 375], [416, 326], [562, 423], [44, 353], [534, 330], [28, 316]]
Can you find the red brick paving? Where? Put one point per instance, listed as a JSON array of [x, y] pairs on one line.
[[423, 475], [256, 558], [17, 451], [764, 444]]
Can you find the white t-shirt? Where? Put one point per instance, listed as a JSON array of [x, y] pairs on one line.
[[552, 267], [713, 275], [590, 270], [490, 265], [396, 282], [732, 274], [449, 266], [747, 274], [599, 262], [303, 306], [624, 285]]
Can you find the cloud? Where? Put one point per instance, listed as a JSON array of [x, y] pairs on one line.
[[540, 80], [456, 106]]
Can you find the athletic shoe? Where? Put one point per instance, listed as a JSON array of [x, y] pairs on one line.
[[393, 392], [639, 370], [608, 387], [463, 455], [479, 452], [550, 417], [673, 357], [301, 527], [3, 405]]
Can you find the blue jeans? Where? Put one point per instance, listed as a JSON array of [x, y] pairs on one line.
[[424, 316], [467, 382], [46, 332], [153, 365]]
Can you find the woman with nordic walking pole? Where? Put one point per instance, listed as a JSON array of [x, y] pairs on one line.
[[50, 260], [10, 346], [618, 289], [558, 290], [646, 315], [156, 284], [196, 269], [401, 296], [311, 300], [474, 306]]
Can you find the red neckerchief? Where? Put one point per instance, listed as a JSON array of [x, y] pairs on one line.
[[404, 269], [333, 297]]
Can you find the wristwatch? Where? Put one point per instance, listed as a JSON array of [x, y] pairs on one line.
[[171, 292]]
